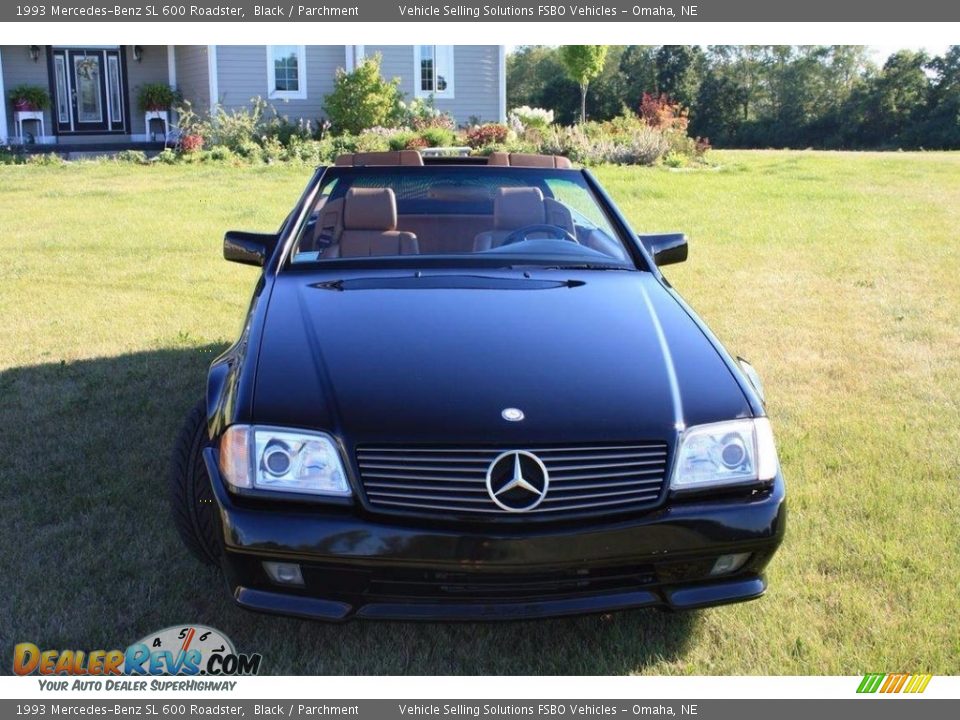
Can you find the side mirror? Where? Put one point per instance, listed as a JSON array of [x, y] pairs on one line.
[[248, 248], [666, 248]]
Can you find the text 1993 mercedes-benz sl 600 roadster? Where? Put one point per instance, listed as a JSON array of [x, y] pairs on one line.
[[464, 390]]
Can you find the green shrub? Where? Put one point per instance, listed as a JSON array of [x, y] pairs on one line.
[[250, 151], [362, 99], [401, 140], [167, 156], [136, 157], [221, 153], [313, 152], [235, 127], [674, 160], [437, 137], [273, 150], [370, 141], [46, 159], [9, 157]]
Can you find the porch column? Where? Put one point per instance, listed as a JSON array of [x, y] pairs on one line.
[[172, 66], [502, 81], [3, 99], [212, 78], [171, 78]]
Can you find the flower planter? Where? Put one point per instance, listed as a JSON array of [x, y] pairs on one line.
[[24, 106]]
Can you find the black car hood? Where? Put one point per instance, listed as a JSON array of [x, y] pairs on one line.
[[588, 356]]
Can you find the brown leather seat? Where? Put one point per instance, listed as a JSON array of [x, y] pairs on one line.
[[370, 226], [513, 208]]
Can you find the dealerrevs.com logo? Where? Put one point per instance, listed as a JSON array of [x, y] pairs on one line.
[[176, 650]]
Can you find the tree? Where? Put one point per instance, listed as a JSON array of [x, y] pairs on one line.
[[638, 67], [536, 77], [942, 128], [680, 70], [896, 99], [583, 63], [363, 99], [718, 114]]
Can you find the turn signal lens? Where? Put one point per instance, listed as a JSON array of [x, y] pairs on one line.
[[235, 456]]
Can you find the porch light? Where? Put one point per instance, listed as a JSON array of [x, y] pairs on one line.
[[138, 53], [34, 52]]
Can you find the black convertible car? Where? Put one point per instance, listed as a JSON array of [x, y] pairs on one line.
[[464, 390]]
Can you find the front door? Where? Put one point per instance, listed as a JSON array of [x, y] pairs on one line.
[[89, 91]]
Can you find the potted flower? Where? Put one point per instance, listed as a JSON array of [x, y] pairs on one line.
[[29, 98], [155, 97]]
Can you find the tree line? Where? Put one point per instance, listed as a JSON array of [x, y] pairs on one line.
[[750, 96]]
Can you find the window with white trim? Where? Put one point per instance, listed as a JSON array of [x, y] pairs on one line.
[[287, 72], [434, 71]]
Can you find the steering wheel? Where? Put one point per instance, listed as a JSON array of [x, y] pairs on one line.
[[520, 234]]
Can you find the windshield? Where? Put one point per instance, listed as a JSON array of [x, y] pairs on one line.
[[508, 216]]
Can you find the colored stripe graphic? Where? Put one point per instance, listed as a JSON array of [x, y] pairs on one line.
[[894, 683]]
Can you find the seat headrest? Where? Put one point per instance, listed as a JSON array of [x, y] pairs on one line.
[[518, 207], [387, 158], [370, 209]]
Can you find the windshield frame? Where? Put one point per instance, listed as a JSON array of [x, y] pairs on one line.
[[636, 261]]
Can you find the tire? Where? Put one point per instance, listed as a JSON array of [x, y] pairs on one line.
[[191, 497]]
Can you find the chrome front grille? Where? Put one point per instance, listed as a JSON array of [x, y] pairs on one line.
[[440, 481]]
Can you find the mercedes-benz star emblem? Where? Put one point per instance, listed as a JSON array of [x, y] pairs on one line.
[[512, 414], [517, 481]]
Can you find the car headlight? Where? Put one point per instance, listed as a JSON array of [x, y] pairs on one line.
[[296, 461], [725, 453]]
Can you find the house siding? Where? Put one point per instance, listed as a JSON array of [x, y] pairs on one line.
[[476, 78], [242, 76], [192, 76], [19, 69], [152, 69]]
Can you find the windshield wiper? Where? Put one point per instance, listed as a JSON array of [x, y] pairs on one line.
[[585, 266]]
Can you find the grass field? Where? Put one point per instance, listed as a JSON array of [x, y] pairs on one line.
[[837, 275]]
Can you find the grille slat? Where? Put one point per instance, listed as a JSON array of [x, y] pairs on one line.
[[473, 486], [605, 475], [428, 498], [584, 479], [599, 466], [558, 485], [553, 497], [427, 468]]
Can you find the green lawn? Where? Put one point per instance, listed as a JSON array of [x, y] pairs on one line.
[[837, 275]]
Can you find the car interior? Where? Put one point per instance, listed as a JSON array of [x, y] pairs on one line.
[[412, 213]]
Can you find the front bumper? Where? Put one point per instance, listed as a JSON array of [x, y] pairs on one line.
[[353, 566]]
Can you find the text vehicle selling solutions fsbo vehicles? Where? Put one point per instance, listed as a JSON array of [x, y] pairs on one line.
[[464, 390]]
